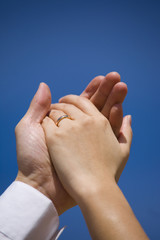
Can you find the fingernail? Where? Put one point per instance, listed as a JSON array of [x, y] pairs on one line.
[[40, 85]]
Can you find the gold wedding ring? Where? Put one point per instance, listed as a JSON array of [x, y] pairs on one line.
[[61, 118]]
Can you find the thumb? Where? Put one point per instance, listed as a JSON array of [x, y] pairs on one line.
[[125, 137], [40, 104]]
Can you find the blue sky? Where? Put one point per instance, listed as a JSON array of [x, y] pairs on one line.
[[66, 44]]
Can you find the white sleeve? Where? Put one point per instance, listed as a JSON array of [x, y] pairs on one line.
[[25, 213]]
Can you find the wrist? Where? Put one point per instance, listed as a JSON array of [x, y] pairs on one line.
[[29, 180], [94, 190], [59, 197]]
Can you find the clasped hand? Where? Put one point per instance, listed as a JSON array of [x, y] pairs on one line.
[[34, 163], [84, 151], [80, 159]]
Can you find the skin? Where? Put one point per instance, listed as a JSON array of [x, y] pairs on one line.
[[88, 159], [34, 163], [107, 93]]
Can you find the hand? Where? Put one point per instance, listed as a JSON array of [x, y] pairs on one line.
[[107, 93], [33, 159], [84, 150], [89, 159], [35, 167]]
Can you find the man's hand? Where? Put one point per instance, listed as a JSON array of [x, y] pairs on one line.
[[107, 93], [35, 167]]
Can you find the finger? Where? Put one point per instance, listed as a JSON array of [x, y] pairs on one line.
[[92, 87], [82, 103], [68, 109], [116, 96], [49, 128], [100, 96], [116, 118], [40, 104], [55, 115], [125, 137]]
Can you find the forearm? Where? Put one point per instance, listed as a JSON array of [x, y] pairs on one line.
[[108, 214]]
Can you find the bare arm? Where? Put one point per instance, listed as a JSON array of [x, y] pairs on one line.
[[108, 214], [89, 159]]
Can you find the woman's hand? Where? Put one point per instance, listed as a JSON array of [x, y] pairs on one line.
[[88, 159], [84, 150]]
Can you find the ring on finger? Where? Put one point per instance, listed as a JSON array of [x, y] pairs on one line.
[[61, 118]]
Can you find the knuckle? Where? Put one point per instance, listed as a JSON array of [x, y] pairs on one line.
[[84, 100], [103, 121], [52, 112], [87, 121], [95, 121], [64, 107]]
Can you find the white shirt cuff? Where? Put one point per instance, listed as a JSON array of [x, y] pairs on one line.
[[25, 213]]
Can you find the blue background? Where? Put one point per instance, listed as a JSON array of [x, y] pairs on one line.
[[66, 44]]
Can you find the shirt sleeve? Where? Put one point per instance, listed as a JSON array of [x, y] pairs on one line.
[[25, 213]]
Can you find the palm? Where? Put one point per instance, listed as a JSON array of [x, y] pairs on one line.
[[34, 161]]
